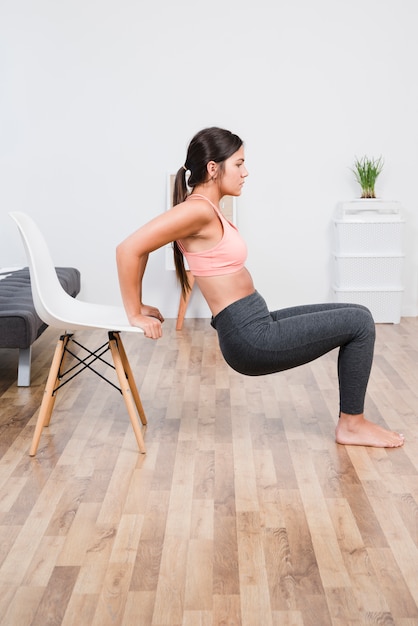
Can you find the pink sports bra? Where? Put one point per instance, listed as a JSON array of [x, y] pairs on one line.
[[226, 257]]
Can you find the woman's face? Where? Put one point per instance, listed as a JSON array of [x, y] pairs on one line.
[[234, 174]]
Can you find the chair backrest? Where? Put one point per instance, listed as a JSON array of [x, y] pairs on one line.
[[47, 292]]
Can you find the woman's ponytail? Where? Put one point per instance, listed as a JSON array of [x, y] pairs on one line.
[[180, 194]]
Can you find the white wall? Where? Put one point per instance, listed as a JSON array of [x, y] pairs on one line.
[[99, 100]]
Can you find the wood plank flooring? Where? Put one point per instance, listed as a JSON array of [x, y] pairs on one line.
[[243, 512]]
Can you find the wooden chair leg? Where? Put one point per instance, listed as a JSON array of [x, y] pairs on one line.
[[48, 399], [131, 379], [114, 344], [184, 301], [65, 338]]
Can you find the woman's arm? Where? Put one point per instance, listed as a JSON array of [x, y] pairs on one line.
[[131, 268], [132, 257]]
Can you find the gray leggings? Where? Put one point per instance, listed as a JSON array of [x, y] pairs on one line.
[[255, 341]]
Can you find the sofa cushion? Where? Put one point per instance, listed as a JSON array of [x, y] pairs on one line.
[[20, 325]]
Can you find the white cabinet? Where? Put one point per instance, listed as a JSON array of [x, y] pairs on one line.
[[368, 257]]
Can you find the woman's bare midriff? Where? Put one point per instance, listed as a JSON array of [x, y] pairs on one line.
[[221, 291]]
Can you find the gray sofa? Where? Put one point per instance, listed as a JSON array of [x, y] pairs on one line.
[[20, 325]]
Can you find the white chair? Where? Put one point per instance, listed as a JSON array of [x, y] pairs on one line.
[[57, 309]]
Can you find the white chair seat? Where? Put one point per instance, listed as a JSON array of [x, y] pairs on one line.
[[73, 314]]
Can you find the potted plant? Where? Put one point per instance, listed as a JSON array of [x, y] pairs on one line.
[[366, 172]]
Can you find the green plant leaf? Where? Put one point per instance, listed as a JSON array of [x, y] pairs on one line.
[[366, 171]]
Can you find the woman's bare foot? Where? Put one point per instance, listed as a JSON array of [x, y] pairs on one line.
[[355, 430]]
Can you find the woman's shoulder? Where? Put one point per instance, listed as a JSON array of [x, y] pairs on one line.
[[196, 208]]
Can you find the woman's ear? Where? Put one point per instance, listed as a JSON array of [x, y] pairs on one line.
[[212, 169]]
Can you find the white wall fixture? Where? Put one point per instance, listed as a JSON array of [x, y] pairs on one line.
[[368, 257]]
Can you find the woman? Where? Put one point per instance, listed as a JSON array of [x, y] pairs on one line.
[[253, 340]]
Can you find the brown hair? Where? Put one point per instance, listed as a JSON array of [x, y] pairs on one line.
[[210, 144]]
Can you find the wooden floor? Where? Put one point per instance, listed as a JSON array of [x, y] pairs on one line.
[[243, 511]]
